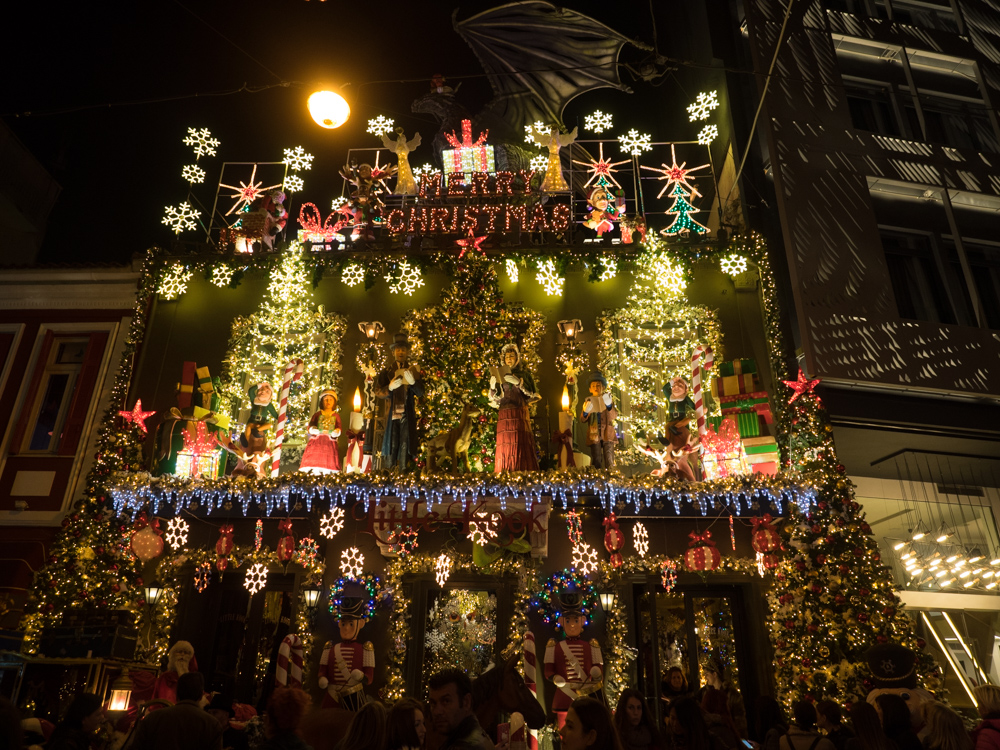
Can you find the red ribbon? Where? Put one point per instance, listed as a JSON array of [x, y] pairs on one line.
[[763, 521], [565, 439], [698, 540]]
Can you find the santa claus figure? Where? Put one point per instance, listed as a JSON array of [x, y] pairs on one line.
[[346, 667], [575, 666]]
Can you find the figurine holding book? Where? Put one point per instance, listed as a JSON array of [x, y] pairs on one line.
[[512, 389]]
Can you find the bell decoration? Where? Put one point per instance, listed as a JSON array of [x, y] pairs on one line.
[[614, 540], [701, 554], [224, 546], [765, 536], [147, 539], [286, 546]]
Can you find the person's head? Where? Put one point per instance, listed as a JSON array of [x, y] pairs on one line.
[[85, 712], [714, 673], [190, 686], [449, 699], [400, 347], [367, 730], [510, 355], [263, 394], [687, 721], [676, 680], [588, 724], [285, 709], [805, 715], [327, 400], [572, 624], [768, 715], [631, 710], [895, 714], [221, 709], [987, 699], [406, 724], [828, 715], [350, 627], [598, 384], [678, 388], [180, 655], [945, 728], [866, 725]]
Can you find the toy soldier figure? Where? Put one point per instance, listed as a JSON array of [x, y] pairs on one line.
[[398, 385], [575, 666], [346, 667]]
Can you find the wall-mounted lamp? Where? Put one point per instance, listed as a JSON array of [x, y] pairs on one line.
[[569, 330], [310, 595], [372, 330]]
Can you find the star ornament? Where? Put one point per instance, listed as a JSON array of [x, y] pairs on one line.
[[471, 243], [137, 416], [801, 386], [679, 174]]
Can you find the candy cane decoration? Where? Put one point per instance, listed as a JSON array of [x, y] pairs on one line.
[[288, 672], [530, 661], [293, 372], [701, 359]]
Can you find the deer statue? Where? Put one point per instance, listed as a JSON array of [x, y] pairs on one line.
[[453, 443]]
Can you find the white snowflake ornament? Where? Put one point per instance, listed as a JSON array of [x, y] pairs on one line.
[[442, 569], [293, 184], [181, 217], [635, 142], [597, 122], [202, 142], [513, 272], [177, 533], [353, 274], [256, 578], [530, 130], [549, 278], [640, 538], [222, 275], [174, 282], [297, 159], [733, 264], [708, 134], [380, 126], [193, 174], [404, 278], [539, 163], [703, 106], [332, 522], [610, 269], [351, 562], [584, 558]]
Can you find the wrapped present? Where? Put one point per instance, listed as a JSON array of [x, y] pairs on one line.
[[198, 465], [756, 401], [768, 467], [733, 385], [738, 367], [723, 453], [185, 388], [468, 155], [762, 454]]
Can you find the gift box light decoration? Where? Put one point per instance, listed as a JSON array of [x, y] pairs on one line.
[[177, 533], [200, 455], [468, 155], [332, 522], [724, 454], [351, 562]]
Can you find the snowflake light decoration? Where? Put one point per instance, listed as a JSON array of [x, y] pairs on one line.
[[293, 184], [380, 126], [668, 275], [610, 269], [193, 174], [703, 106], [202, 577], [597, 122], [733, 264], [539, 163], [175, 281], [600, 169], [247, 192], [549, 278], [332, 522], [222, 275], [256, 578], [202, 142], [442, 569], [708, 134], [177, 533], [426, 169], [403, 540], [435, 640], [353, 274], [351, 562], [676, 174], [404, 278], [584, 558], [181, 217], [530, 130], [482, 532], [297, 159], [640, 538], [513, 272], [307, 552], [635, 143]]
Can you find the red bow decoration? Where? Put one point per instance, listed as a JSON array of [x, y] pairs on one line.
[[565, 439], [309, 220], [466, 141], [764, 520], [286, 546], [700, 539], [224, 546]]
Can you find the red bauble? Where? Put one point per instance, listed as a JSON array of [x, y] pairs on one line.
[[820, 559], [223, 546], [765, 537], [882, 639], [702, 554], [614, 540], [807, 662], [858, 552], [862, 617], [789, 624], [921, 643], [147, 540], [863, 592], [770, 560], [816, 529], [844, 570], [800, 565], [286, 545]]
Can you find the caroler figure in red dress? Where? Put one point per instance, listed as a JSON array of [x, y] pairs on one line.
[[346, 667], [321, 455], [575, 666], [512, 389]]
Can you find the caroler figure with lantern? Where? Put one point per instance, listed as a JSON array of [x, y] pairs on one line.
[[346, 667]]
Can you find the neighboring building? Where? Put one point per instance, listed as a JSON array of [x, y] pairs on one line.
[[27, 194]]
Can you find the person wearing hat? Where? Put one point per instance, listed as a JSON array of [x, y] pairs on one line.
[[398, 385], [512, 389], [894, 672], [604, 209], [345, 667], [600, 414], [321, 455], [575, 666], [680, 412]]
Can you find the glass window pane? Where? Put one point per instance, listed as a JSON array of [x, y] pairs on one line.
[[915, 280], [42, 436], [713, 628], [461, 631]]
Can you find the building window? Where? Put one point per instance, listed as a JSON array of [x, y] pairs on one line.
[[871, 112], [916, 282], [984, 261], [922, 15], [956, 124]]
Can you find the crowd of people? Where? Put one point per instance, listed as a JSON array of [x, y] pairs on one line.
[[709, 718]]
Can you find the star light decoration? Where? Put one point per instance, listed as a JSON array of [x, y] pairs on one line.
[[222, 275], [332, 522], [597, 122], [703, 106], [174, 282], [351, 562], [549, 278], [801, 385], [733, 264], [513, 272], [380, 126], [247, 192], [256, 578], [708, 134], [584, 558], [635, 143], [601, 169], [404, 278], [193, 174], [202, 577], [353, 274], [530, 130], [640, 538], [137, 416], [297, 159], [293, 183], [442, 569], [181, 217], [539, 163], [202, 142], [177, 533], [676, 174], [471, 244]]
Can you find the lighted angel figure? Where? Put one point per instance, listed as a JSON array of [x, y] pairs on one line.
[[554, 140], [405, 184]]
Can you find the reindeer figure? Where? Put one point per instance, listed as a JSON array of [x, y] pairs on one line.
[[453, 443]]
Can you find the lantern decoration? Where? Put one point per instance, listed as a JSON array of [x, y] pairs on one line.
[[724, 454], [256, 578], [258, 535], [223, 546], [668, 575], [286, 545], [574, 527], [147, 539], [202, 577], [332, 522], [614, 540], [765, 541], [177, 533], [640, 539], [442, 569], [702, 554]]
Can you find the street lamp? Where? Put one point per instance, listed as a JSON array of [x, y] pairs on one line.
[[330, 110], [371, 330], [310, 595], [153, 593], [121, 692]]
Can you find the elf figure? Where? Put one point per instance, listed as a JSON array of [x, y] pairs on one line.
[[600, 414], [366, 198], [405, 184], [605, 209], [346, 667], [680, 412], [575, 666]]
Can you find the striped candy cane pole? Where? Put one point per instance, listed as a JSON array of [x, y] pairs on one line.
[[530, 661], [701, 359], [288, 671], [293, 371]]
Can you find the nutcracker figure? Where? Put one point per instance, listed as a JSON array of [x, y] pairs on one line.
[[346, 667], [575, 666]]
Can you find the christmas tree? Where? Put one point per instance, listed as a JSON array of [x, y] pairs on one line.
[[682, 210], [832, 599], [456, 341]]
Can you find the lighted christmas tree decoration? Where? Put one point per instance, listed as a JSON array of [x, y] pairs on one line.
[[635, 143], [202, 577], [181, 217], [548, 276], [222, 275], [640, 539], [353, 274], [351, 562], [174, 282], [530, 130], [380, 126], [676, 174], [682, 210], [256, 578], [733, 264], [137, 416], [669, 275], [202, 142], [600, 169], [332, 522], [297, 159], [247, 192], [293, 184], [539, 163], [513, 272], [708, 134], [584, 559], [177, 533], [597, 122], [442, 569], [193, 174], [703, 106], [404, 278]]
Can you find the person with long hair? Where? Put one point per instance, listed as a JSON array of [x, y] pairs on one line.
[[868, 733], [674, 686], [367, 730], [986, 736], [945, 729], [83, 718], [284, 713], [897, 722], [589, 726], [717, 677], [769, 722], [828, 716], [715, 710], [688, 730], [406, 725], [635, 724]]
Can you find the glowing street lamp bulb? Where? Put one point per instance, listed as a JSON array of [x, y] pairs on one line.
[[970, 583], [357, 399], [916, 571], [947, 583], [565, 398], [943, 538], [995, 561], [941, 573], [328, 109], [977, 558], [991, 585], [906, 556]]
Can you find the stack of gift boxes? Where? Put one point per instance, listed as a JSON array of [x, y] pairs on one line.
[[737, 389]]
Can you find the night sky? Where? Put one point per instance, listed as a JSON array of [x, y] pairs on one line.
[[103, 95]]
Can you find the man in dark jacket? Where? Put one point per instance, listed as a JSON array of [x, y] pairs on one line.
[[450, 704], [828, 717], [185, 726]]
